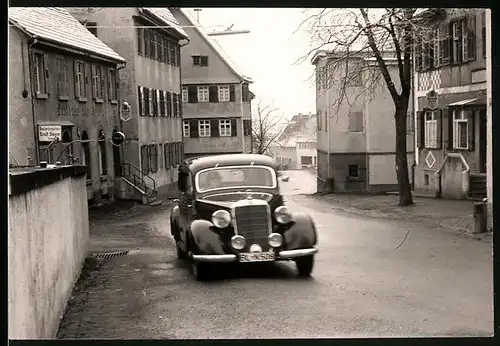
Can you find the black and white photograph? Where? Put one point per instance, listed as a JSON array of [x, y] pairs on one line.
[[249, 173]]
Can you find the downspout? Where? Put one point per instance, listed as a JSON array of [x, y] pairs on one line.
[[242, 128], [35, 126], [182, 103]]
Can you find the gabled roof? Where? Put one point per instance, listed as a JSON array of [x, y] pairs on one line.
[[215, 45], [56, 25], [167, 17], [301, 128]]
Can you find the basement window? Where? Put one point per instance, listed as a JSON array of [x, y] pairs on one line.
[[353, 171], [426, 179]]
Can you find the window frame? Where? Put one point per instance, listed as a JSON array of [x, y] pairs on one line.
[[185, 95], [206, 126], [349, 171], [221, 91], [62, 78], [41, 85], [97, 83], [186, 128], [113, 85], [225, 124], [200, 91], [80, 81], [457, 122], [430, 130]]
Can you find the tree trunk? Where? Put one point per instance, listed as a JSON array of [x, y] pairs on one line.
[[405, 195]]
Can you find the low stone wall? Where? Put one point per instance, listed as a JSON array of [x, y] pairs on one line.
[[47, 244]]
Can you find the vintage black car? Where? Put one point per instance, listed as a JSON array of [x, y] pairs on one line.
[[231, 210]]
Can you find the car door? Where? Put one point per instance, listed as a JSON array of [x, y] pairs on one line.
[[186, 207]]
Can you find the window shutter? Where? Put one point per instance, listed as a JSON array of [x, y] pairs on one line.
[[162, 104], [171, 154], [46, 74], [192, 94], [232, 97], [155, 103], [439, 130], [178, 51], [234, 128], [169, 104], [117, 84], [75, 71], [175, 101], [193, 128], [180, 105], [139, 97], [420, 129], [103, 84], [214, 128], [471, 26], [471, 130], [213, 92], [447, 125]]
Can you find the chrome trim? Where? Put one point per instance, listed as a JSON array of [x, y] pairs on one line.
[[236, 193], [273, 176], [288, 254], [247, 202], [214, 258]]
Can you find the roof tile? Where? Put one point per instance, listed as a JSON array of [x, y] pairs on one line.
[[57, 25]]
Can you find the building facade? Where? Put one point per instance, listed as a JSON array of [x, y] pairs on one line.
[[295, 148], [63, 103], [216, 98], [150, 40], [356, 133], [450, 75]]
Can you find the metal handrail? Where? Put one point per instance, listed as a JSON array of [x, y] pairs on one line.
[[140, 175]]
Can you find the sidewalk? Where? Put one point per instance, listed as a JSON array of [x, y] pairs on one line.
[[449, 215]]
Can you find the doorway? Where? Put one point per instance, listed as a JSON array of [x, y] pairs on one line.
[[117, 161], [482, 140]]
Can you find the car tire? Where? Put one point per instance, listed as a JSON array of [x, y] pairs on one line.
[[180, 253], [199, 270], [305, 265]]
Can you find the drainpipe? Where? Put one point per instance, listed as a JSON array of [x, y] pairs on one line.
[[242, 129], [35, 126], [414, 114]]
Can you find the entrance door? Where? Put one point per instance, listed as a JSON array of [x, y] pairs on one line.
[[117, 160], [482, 140]]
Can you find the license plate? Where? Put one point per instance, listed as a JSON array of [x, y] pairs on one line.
[[257, 257]]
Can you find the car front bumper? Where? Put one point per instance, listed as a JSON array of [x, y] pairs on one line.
[[282, 255]]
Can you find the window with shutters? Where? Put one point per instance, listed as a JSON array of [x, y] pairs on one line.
[[173, 60], [112, 86], [153, 157], [186, 128], [152, 44], [356, 122], [200, 60], [184, 94], [150, 101], [204, 128], [166, 162], [97, 82], [80, 78], [203, 94], [445, 44], [40, 72], [224, 93], [225, 128], [62, 78], [460, 129], [160, 47], [144, 159], [247, 127], [155, 102], [168, 56], [430, 129], [457, 40], [147, 47], [171, 154]]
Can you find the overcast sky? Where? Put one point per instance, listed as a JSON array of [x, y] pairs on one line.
[[267, 54]]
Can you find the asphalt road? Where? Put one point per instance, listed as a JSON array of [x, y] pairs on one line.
[[434, 284]]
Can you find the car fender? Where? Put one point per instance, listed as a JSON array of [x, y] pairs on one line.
[[302, 232], [174, 216], [204, 239]]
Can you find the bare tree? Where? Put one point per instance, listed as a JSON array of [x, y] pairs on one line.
[[386, 36], [266, 127]]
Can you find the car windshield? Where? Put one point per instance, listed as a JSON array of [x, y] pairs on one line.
[[230, 177]]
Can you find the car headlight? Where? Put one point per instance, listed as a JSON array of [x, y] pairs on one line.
[[282, 215], [275, 239], [238, 242], [221, 218]]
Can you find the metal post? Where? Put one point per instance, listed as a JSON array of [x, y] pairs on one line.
[[489, 117]]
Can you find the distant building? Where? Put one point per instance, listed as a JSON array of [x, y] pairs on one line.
[[295, 148], [450, 95], [63, 95], [356, 141], [215, 96], [150, 40]]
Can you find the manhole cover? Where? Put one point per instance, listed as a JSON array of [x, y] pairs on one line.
[[108, 255]]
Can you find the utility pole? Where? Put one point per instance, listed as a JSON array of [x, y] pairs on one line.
[[489, 116]]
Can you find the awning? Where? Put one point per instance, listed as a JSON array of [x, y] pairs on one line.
[[480, 101]]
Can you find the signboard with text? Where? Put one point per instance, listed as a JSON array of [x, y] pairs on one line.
[[48, 133]]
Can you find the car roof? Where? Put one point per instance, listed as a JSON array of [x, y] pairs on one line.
[[198, 163]]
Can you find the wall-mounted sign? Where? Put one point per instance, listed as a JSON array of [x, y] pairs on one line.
[[432, 99], [49, 133]]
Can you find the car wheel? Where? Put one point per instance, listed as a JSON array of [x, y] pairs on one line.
[[305, 265], [199, 270]]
